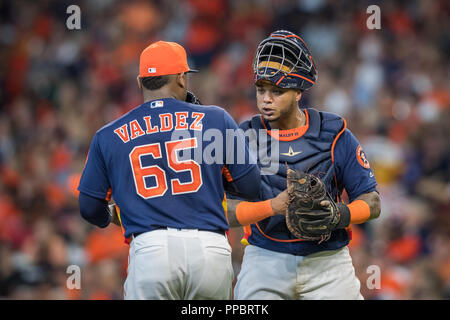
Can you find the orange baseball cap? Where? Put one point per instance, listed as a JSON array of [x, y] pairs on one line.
[[162, 58]]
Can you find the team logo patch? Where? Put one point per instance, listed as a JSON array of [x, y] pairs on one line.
[[361, 157]]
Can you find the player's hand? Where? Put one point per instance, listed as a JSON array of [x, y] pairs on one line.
[[326, 205], [280, 203], [113, 208]]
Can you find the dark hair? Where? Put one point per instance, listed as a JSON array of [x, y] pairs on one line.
[[154, 83]]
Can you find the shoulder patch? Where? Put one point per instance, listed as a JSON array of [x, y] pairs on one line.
[[361, 157]]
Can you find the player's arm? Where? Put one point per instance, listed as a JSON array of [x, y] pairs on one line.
[[241, 175], [354, 173], [95, 188], [97, 211], [246, 186], [366, 207], [241, 213], [94, 210]]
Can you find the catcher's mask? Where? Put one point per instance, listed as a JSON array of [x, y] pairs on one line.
[[284, 59]]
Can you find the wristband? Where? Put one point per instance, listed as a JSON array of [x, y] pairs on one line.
[[251, 212], [359, 211]]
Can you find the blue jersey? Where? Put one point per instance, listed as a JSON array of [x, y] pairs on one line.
[[324, 147], [152, 160]]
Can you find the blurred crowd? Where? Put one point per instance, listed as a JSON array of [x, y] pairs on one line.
[[59, 86]]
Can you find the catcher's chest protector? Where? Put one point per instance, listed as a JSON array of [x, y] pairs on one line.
[[310, 153]]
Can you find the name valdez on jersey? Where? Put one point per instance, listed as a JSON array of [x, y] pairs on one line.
[[167, 122]]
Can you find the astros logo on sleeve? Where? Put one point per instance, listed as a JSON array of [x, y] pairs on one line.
[[361, 157]]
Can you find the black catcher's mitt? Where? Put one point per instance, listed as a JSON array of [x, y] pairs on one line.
[[191, 98], [308, 217]]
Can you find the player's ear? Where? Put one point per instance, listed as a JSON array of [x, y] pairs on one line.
[[182, 80], [139, 82], [298, 95]]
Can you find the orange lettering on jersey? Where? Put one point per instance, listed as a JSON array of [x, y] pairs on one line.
[[166, 122], [197, 125], [122, 132], [150, 129], [136, 130], [180, 123]]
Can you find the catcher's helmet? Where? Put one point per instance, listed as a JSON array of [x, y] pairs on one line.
[[284, 59]]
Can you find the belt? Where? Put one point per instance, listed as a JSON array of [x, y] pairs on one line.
[[221, 232]]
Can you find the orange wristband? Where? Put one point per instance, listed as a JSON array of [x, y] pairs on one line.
[[359, 211], [251, 212]]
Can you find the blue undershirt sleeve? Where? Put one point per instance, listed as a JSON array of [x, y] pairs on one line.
[[94, 210]]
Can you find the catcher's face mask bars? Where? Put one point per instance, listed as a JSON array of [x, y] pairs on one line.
[[283, 56]]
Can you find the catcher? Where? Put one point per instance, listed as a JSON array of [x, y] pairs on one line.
[[302, 255]]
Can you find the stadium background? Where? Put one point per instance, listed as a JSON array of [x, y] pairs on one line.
[[59, 86]]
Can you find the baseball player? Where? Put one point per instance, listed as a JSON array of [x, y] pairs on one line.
[[171, 204], [276, 264]]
